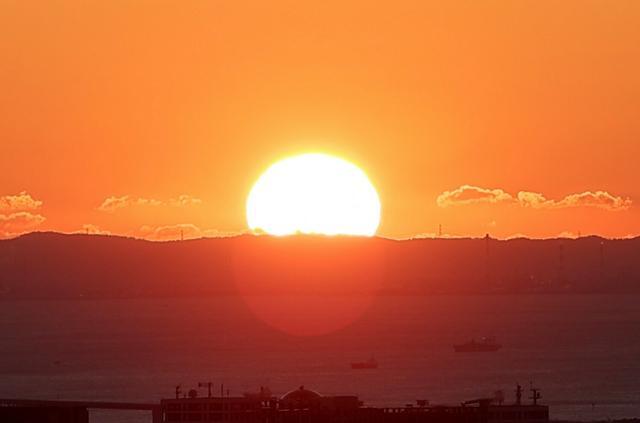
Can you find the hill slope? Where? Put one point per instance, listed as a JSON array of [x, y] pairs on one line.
[[51, 265]]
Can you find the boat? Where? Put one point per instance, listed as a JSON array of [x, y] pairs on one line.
[[483, 345], [369, 364]]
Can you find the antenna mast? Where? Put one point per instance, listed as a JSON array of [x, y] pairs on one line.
[[535, 395]]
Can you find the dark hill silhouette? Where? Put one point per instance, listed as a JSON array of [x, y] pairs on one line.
[[52, 265]]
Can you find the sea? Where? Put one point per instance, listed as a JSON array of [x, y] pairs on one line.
[[581, 351]]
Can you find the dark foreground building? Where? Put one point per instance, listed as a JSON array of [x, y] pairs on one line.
[[298, 406], [307, 406], [44, 414]]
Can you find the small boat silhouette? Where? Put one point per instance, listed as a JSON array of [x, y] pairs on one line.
[[369, 364]]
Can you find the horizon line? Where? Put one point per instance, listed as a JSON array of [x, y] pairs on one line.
[[302, 235]]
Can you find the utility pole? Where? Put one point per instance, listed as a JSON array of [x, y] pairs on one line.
[[208, 385], [535, 395]]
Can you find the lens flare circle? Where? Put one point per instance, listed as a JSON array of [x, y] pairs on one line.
[[314, 194]]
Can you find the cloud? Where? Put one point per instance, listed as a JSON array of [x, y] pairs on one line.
[[19, 223], [599, 199], [180, 231], [171, 232], [517, 235], [19, 202], [432, 235], [113, 203], [533, 199], [146, 202], [568, 235], [468, 194], [91, 229], [184, 200]]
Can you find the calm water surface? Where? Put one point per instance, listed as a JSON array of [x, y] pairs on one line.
[[578, 349]]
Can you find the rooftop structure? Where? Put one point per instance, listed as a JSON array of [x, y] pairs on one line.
[[297, 406]]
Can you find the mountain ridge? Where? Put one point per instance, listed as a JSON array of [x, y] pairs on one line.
[[51, 265]]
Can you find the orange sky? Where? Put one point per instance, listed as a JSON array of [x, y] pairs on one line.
[[155, 100]]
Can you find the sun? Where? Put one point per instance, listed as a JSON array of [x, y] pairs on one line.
[[314, 194]]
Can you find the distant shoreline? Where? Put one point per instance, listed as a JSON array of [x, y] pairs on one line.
[[49, 265], [330, 295]]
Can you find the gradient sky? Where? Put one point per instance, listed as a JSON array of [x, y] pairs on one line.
[[507, 117]]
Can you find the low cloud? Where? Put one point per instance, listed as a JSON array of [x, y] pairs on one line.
[[91, 229], [533, 199], [468, 194], [19, 202], [432, 235], [171, 232], [113, 203], [180, 231], [184, 200], [568, 235], [599, 199], [18, 223]]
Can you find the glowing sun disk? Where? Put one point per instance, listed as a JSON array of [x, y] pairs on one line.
[[314, 194]]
